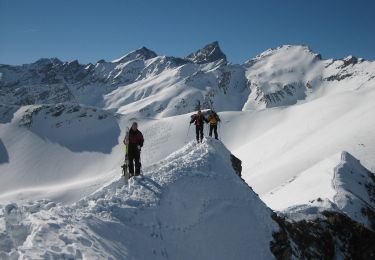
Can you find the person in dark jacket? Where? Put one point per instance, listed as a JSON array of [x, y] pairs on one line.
[[198, 119], [213, 120], [135, 143]]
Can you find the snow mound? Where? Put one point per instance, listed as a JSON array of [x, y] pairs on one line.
[[339, 183], [190, 205]]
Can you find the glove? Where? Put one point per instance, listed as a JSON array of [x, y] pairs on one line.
[[139, 147]]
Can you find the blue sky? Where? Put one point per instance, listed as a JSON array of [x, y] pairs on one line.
[[98, 29]]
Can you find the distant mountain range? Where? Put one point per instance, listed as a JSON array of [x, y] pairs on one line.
[[172, 86]]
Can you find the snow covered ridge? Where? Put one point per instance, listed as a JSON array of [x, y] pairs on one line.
[[337, 184], [333, 213], [163, 86], [191, 205]]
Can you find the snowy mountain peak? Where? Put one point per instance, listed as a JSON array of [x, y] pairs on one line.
[[209, 53], [282, 76], [141, 54], [285, 50]]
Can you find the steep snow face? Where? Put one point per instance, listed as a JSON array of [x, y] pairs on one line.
[[56, 150], [282, 76], [75, 127], [190, 205], [339, 183], [293, 73], [276, 145]]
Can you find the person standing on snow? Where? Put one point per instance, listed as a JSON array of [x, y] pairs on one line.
[[135, 143], [213, 120], [198, 119]]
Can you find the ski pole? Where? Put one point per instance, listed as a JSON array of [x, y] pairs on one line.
[[187, 135]]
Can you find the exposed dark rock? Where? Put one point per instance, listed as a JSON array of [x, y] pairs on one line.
[[339, 77], [176, 62], [145, 53], [317, 57], [224, 80], [322, 238], [142, 54], [357, 242], [309, 239], [278, 96], [350, 60], [308, 85], [236, 164], [48, 61], [209, 53]]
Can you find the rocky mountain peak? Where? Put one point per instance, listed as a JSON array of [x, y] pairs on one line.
[[141, 54], [48, 61], [209, 53]]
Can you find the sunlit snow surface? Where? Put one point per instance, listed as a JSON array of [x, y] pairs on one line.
[[190, 205]]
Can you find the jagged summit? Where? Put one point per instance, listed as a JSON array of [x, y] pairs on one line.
[[46, 61], [209, 53], [142, 54]]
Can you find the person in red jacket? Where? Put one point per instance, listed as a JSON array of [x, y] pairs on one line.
[[198, 119], [135, 143]]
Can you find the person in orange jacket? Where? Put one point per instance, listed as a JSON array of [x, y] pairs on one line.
[[213, 120]]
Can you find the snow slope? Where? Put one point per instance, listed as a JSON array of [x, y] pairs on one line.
[[190, 205], [339, 183], [57, 150], [276, 145]]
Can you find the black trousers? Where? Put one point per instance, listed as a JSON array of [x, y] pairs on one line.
[[199, 132], [134, 158], [213, 127]]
